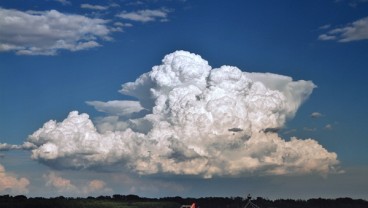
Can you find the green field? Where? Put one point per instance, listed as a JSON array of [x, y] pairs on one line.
[[83, 203]]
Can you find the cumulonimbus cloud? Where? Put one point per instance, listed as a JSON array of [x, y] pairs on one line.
[[190, 119], [47, 32]]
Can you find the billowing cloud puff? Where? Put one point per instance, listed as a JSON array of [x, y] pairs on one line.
[[190, 119], [9, 183], [95, 185], [47, 32], [61, 184]]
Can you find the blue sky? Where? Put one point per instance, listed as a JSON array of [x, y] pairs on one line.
[[50, 67]]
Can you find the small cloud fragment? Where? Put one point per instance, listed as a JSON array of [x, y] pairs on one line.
[[94, 7], [324, 27], [146, 15], [328, 127], [309, 129], [326, 37], [316, 115], [289, 131], [64, 2]]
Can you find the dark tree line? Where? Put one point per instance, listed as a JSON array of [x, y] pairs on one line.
[[134, 201]]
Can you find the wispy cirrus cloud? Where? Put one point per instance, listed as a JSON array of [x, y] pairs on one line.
[[64, 2], [310, 129], [146, 15], [94, 7], [355, 31], [352, 3], [48, 32]]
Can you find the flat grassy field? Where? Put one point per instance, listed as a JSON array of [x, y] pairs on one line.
[[83, 203]]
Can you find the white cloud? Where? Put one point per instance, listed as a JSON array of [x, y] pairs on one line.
[[64, 2], [65, 186], [328, 126], [47, 32], [290, 131], [12, 184], [324, 27], [119, 26], [114, 5], [6, 147], [94, 7], [146, 15], [111, 123], [185, 129], [326, 37], [309, 129], [94, 186], [61, 184], [117, 107], [355, 31], [24, 146], [316, 115], [355, 3]]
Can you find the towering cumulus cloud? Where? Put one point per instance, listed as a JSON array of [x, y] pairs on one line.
[[190, 119]]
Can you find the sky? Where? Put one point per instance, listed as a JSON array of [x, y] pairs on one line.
[[184, 98]]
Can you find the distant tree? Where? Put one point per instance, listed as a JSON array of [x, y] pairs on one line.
[[20, 197], [5, 196], [132, 197], [104, 197], [118, 197], [60, 198]]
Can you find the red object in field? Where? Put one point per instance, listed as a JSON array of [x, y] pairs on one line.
[[193, 205]]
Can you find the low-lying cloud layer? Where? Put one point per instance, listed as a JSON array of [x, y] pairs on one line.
[[10, 183], [189, 119], [65, 186]]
